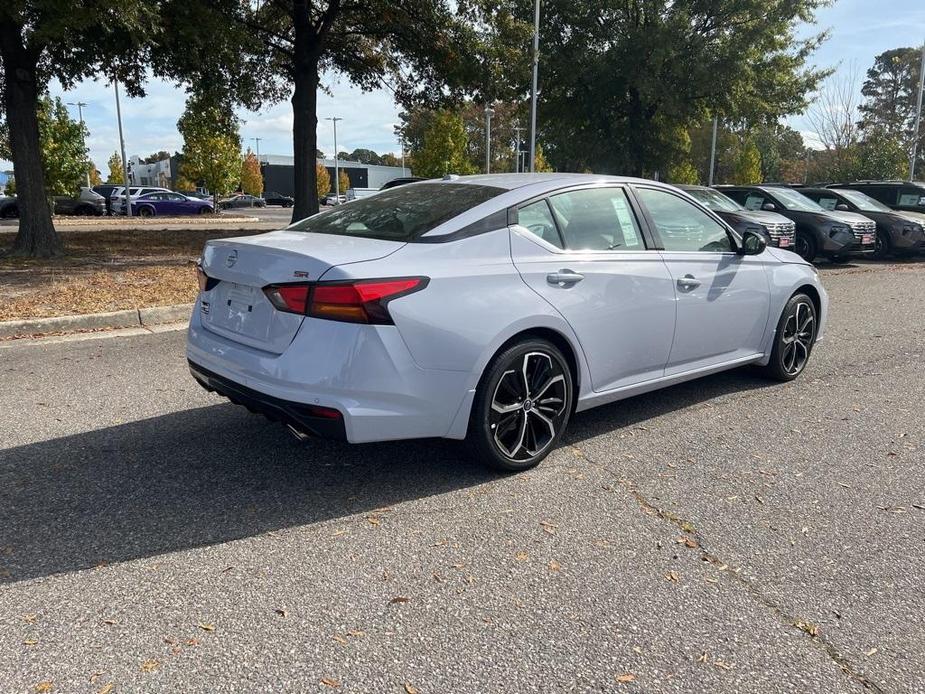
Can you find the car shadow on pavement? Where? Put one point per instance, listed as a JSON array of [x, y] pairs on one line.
[[214, 474]]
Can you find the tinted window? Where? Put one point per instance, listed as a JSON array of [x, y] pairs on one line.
[[681, 225], [403, 213], [537, 218], [597, 219]]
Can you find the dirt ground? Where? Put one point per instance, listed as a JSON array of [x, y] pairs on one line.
[[105, 270]]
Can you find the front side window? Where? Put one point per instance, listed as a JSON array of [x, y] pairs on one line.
[[792, 200], [403, 213], [537, 219], [597, 219], [681, 225]]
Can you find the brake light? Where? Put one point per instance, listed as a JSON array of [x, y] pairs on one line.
[[292, 298], [206, 283], [360, 301]]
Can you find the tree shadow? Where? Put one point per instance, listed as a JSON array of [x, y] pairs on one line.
[[214, 474]]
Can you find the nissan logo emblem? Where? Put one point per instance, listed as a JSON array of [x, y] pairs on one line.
[[231, 259]]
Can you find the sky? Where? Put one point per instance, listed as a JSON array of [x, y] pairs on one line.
[[860, 29]]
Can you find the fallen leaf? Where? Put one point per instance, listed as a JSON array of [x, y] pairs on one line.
[[192, 642], [703, 657], [356, 633], [554, 565], [109, 622], [373, 520], [411, 689], [95, 676], [338, 533], [459, 566], [673, 576], [522, 556], [398, 599], [722, 664], [30, 642], [226, 569], [549, 527], [759, 499], [871, 652], [206, 627], [330, 682], [107, 689], [150, 665], [281, 613], [687, 541], [29, 618], [626, 677], [340, 639], [45, 686]]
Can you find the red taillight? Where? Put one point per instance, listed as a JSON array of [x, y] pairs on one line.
[[292, 298], [361, 301]]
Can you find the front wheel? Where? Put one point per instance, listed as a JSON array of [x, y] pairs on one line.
[[146, 212], [793, 341], [882, 247], [522, 406]]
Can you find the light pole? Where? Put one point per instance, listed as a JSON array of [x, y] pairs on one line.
[[713, 150], [517, 130], [402, 143], [336, 168], [918, 118], [536, 69], [128, 200], [80, 114], [257, 141], [489, 112]]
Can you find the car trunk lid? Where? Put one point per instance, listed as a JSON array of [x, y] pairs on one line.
[[235, 306]]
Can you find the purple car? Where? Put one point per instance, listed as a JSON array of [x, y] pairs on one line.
[[152, 204]]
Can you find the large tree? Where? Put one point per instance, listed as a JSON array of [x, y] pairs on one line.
[[890, 95], [211, 142], [69, 40], [619, 77], [266, 51]]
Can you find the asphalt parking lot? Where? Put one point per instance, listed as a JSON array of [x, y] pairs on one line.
[[726, 535]]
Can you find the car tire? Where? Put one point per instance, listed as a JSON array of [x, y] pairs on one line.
[[793, 339], [805, 246], [205, 210], [521, 435], [145, 212], [882, 246]]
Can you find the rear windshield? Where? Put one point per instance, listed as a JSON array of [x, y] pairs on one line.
[[399, 214]]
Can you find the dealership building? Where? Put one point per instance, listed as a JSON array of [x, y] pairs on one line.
[[278, 175]]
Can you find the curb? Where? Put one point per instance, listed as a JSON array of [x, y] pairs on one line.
[[131, 318]]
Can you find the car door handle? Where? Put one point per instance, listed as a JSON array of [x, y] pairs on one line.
[[688, 282], [564, 277]]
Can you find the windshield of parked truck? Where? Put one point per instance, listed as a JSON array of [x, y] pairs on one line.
[[863, 202], [714, 200], [792, 200]]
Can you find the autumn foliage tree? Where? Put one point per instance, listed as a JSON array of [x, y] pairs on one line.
[[251, 177], [116, 173], [322, 181]]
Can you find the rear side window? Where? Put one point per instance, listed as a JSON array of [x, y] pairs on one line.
[[911, 197], [404, 213], [597, 219], [537, 219]]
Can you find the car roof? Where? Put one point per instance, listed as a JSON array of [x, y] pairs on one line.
[[539, 182]]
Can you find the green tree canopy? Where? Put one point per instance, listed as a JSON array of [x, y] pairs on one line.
[[211, 143], [619, 78], [443, 149], [68, 41]]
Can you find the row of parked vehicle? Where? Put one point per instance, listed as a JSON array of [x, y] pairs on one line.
[[836, 221]]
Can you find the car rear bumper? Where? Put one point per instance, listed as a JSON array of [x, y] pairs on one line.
[[365, 372], [303, 418]]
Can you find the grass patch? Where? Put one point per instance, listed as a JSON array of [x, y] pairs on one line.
[[105, 270]]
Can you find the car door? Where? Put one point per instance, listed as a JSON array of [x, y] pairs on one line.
[[723, 298], [584, 252]]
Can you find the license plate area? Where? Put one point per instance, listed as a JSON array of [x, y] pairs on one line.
[[867, 239], [784, 242], [241, 309]]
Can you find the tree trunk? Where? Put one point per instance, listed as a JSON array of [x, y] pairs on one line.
[[37, 236], [306, 51], [304, 144]]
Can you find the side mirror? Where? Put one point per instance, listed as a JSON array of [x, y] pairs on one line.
[[842, 207], [769, 206], [753, 243]]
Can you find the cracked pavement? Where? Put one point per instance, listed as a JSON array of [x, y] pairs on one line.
[[725, 535]]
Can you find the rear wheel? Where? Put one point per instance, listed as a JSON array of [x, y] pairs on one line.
[[146, 211], [793, 341], [805, 246], [882, 248], [205, 210], [522, 406]]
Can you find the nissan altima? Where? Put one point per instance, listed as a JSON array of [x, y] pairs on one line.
[[492, 308]]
